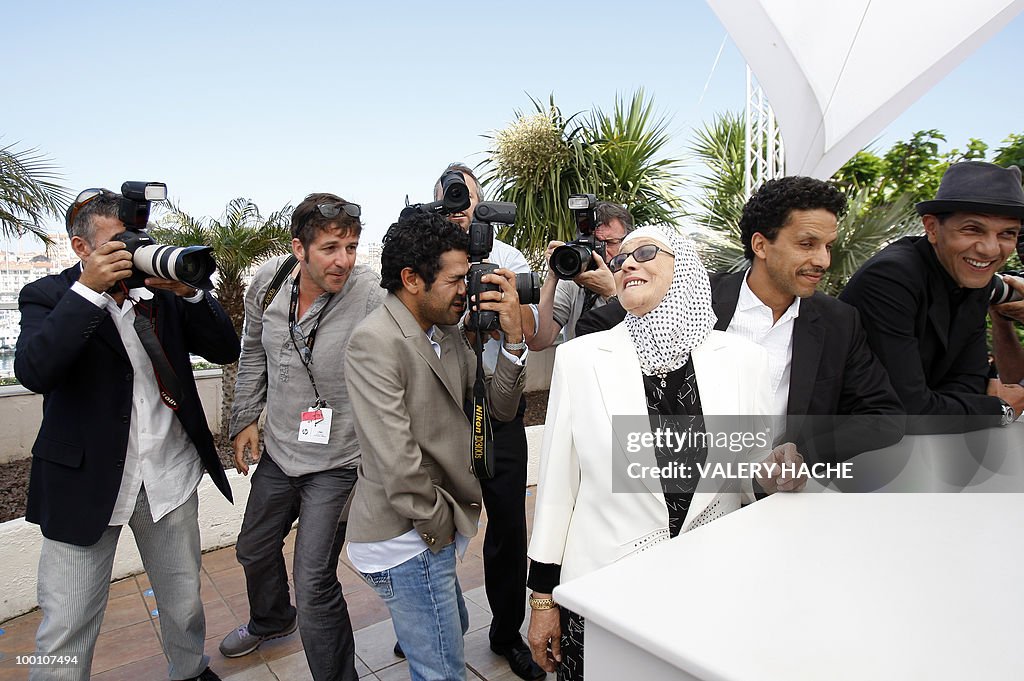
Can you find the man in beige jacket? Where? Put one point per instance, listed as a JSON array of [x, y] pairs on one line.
[[410, 373]]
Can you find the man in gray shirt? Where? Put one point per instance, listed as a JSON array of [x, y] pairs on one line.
[[293, 352]]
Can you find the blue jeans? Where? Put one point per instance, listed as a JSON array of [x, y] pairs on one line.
[[428, 613]]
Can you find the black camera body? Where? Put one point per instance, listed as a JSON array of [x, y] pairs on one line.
[[192, 265], [454, 196], [481, 241], [572, 259]]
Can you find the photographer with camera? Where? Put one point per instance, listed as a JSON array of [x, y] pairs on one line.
[[410, 372], [504, 494], [123, 439], [564, 298]]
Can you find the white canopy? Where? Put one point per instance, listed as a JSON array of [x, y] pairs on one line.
[[836, 72]]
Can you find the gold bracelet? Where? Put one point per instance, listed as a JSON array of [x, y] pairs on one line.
[[542, 603]]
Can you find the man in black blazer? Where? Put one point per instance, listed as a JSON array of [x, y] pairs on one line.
[[924, 300], [820, 361], [117, 446]]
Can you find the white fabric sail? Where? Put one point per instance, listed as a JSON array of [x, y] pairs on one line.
[[838, 71]]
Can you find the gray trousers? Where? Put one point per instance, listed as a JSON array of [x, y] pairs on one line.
[[324, 624], [74, 582]]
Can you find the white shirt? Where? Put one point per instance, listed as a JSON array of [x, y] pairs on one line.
[[754, 321], [377, 556], [160, 454]]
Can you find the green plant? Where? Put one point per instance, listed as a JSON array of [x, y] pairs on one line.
[[29, 193], [542, 157], [241, 239]]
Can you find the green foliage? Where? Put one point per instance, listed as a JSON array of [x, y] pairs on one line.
[[718, 204], [863, 231], [29, 193], [241, 239], [881, 191], [543, 157], [1011, 153]]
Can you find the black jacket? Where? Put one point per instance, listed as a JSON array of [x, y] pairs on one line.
[[833, 373], [929, 334], [70, 351]]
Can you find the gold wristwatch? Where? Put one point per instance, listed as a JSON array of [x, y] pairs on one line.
[[542, 603]]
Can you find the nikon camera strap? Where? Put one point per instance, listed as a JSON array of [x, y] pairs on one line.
[[275, 284], [482, 446]]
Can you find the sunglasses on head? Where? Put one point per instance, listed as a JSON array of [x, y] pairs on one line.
[[81, 201], [640, 254], [334, 209]]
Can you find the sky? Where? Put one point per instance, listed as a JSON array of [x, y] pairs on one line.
[[371, 100]]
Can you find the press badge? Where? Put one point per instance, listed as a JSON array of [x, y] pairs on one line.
[[315, 425]]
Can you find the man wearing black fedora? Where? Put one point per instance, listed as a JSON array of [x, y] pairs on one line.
[[923, 301]]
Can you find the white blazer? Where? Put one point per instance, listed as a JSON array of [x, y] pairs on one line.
[[579, 522]]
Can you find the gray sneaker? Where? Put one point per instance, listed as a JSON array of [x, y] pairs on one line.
[[241, 642]]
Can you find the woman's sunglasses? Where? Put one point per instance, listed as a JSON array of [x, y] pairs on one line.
[[640, 254]]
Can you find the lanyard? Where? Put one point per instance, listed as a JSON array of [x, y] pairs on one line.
[[306, 352]]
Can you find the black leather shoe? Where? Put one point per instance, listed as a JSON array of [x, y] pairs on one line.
[[520, 661], [398, 651], [206, 675]]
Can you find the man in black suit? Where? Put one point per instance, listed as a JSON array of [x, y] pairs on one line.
[[117, 445], [924, 299], [819, 359]]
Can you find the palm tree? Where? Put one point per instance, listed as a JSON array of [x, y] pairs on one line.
[[241, 239], [718, 205], [29, 193], [543, 157]]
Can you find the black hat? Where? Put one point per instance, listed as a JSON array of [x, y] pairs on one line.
[[978, 187]]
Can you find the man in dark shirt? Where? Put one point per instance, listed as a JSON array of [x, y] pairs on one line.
[[923, 301]]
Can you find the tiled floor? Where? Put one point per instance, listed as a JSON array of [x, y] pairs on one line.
[[128, 648]]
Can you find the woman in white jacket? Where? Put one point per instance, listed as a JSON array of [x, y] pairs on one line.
[[662, 367]]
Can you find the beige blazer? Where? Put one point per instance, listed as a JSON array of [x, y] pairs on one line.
[[413, 434], [579, 522]]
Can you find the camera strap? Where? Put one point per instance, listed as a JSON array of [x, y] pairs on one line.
[[166, 379], [482, 446], [287, 265]]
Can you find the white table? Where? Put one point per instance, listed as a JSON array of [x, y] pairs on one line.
[[827, 586]]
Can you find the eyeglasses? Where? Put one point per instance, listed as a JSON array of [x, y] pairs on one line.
[[613, 241], [333, 210], [641, 254], [81, 201]]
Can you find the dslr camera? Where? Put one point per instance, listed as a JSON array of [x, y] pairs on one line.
[[454, 196], [191, 265], [572, 259], [481, 240]]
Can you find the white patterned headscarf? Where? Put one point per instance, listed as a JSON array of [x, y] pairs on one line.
[[683, 319]]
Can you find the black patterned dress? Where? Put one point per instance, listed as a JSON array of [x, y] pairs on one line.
[[673, 401]]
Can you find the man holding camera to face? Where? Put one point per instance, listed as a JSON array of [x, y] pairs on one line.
[[504, 495], [123, 439], [291, 366], [410, 374], [562, 300]]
